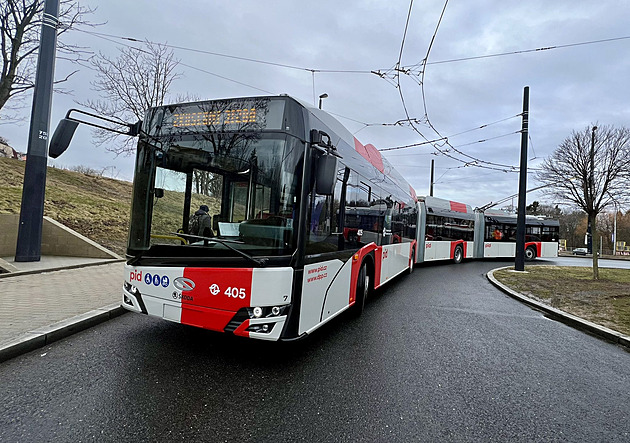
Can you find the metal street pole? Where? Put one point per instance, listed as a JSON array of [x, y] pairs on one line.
[[591, 193], [432, 177], [519, 261], [29, 240]]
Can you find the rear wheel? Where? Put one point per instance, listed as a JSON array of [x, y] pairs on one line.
[[458, 254], [530, 253]]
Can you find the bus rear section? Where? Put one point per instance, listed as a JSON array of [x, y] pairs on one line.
[[498, 231]]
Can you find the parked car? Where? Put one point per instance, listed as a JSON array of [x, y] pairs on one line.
[[580, 251]]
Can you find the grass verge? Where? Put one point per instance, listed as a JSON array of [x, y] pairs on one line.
[[605, 302]]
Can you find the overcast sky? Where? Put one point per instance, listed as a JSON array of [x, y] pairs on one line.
[[570, 87]]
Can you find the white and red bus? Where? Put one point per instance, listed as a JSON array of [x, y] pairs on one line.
[[306, 220], [452, 230]]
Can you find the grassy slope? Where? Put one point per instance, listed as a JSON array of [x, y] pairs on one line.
[[96, 207]]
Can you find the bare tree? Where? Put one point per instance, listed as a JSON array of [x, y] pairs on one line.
[[21, 22], [590, 169], [130, 84]]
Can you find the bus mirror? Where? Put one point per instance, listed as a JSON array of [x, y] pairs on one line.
[[316, 137], [326, 175], [159, 192], [62, 137]]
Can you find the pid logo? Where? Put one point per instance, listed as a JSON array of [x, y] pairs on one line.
[[135, 275], [156, 280]]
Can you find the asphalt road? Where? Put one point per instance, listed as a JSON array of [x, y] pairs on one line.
[[440, 355]]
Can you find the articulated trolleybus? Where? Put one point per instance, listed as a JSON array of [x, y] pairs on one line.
[[304, 221]]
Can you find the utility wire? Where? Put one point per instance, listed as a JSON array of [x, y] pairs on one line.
[[472, 161], [104, 37], [525, 51], [442, 138], [234, 57]]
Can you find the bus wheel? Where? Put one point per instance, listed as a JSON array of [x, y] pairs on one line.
[[458, 254], [530, 253], [363, 288], [412, 261]]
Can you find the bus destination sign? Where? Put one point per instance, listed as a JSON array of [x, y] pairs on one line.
[[187, 118], [222, 115]]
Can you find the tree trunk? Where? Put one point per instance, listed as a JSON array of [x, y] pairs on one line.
[[594, 245]]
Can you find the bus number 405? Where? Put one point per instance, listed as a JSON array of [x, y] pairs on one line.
[[235, 292]]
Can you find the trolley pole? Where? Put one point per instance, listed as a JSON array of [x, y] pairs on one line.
[[519, 262], [29, 240]]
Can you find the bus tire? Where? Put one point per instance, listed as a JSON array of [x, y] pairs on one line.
[[412, 261], [530, 253], [362, 291], [458, 254]]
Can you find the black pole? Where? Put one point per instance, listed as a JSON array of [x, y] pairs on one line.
[[432, 175], [591, 192], [29, 240], [519, 261]]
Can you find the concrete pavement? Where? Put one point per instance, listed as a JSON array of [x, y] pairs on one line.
[[41, 302]]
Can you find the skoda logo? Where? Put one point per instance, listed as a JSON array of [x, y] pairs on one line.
[[184, 284]]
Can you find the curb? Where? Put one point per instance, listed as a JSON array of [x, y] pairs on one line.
[[61, 268], [43, 336], [562, 316]]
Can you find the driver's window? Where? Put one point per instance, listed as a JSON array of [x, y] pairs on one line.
[[168, 206], [238, 194]]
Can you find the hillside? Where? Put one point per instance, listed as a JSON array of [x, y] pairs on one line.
[[96, 207]]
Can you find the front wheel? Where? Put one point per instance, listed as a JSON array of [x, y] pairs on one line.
[[458, 254], [530, 253], [363, 288]]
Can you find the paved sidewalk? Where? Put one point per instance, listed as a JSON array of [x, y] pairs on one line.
[[40, 303]]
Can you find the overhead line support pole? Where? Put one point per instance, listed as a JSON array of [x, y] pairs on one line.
[[519, 261], [29, 239]]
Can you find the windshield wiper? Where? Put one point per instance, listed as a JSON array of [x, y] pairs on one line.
[[261, 262]]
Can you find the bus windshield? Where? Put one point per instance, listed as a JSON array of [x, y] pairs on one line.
[[238, 191]]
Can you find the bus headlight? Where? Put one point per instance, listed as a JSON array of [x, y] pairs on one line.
[[264, 329], [131, 289], [267, 311]]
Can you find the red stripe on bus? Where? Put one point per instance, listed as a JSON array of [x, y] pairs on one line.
[[212, 319], [454, 245], [357, 261], [458, 207], [242, 329], [537, 245], [371, 154], [217, 295]]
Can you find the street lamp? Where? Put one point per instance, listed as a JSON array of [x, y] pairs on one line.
[[321, 97]]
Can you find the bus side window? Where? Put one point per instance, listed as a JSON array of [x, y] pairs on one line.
[[324, 222]]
